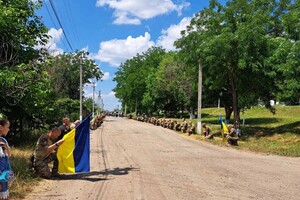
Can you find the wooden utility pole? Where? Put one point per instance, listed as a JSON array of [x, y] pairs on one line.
[[199, 98]]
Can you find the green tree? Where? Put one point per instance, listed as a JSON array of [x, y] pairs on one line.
[[127, 88], [64, 71], [25, 93], [20, 30], [162, 86], [26, 97], [232, 43], [132, 76], [285, 57]]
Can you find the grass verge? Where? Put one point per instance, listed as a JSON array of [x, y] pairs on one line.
[[24, 180], [264, 132]]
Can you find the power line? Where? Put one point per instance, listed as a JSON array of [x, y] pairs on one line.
[[53, 23], [73, 25], [56, 15]]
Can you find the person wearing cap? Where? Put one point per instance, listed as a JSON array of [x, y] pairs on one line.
[[65, 127]]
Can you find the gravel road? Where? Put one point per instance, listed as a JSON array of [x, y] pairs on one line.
[[132, 160]]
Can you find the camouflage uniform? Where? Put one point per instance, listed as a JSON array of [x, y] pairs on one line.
[[232, 137], [183, 127], [191, 128], [42, 158], [177, 126], [207, 130]]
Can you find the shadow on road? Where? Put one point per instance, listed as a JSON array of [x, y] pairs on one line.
[[94, 175]]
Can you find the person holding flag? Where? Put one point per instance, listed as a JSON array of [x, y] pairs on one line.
[[45, 152]]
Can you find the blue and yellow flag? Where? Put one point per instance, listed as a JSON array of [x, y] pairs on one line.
[[74, 154], [224, 130]]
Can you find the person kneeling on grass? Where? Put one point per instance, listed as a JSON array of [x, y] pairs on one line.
[[45, 152], [207, 132], [191, 128], [232, 136]]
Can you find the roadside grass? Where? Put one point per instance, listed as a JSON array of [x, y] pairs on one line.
[[24, 180], [264, 132]]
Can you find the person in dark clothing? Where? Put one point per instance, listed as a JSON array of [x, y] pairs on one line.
[[64, 128], [206, 130]]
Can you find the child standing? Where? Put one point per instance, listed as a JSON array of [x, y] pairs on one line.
[[4, 153]]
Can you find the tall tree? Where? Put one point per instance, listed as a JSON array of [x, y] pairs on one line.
[[20, 30], [163, 86], [232, 45], [64, 71], [24, 86], [132, 76], [285, 56]]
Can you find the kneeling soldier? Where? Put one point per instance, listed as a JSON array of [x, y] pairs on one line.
[[44, 153], [183, 126], [191, 128], [232, 137]]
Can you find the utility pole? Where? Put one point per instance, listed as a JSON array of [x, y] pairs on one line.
[[93, 85], [80, 117], [199, 98], [100, 100]]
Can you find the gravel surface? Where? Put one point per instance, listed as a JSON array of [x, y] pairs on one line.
[[132, 160]]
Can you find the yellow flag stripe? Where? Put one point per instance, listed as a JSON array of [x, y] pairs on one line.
[[65, 153], [224, 130]]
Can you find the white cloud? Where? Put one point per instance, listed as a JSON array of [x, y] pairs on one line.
[[166, 40], [110, 95], [85, 49], [106, 76], [88, 89], [110, 101], [51, 46], [116, 51], [133, 11]]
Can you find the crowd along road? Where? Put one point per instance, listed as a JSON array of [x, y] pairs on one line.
[[133, 160]]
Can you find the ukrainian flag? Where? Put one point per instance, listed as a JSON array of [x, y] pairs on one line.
[[74, 154], [224, 130]]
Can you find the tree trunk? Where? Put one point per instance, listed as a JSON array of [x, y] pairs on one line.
[[232, 80], [136, 105], [234, 101], [228, 112], [191, 113]]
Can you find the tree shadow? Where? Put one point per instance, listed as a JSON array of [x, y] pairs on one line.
[[93, 176], [258, 132], [249, 121], [258, 121]]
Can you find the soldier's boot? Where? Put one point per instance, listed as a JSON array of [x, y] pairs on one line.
[[54, 172], [43, 171]]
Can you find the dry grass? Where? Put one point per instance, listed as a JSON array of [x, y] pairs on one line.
[[24, 180]]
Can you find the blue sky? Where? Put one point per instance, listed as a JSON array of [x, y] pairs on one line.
[[115, 30]]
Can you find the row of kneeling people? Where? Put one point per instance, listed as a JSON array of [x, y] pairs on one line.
[[97, 121], [183, 126]]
